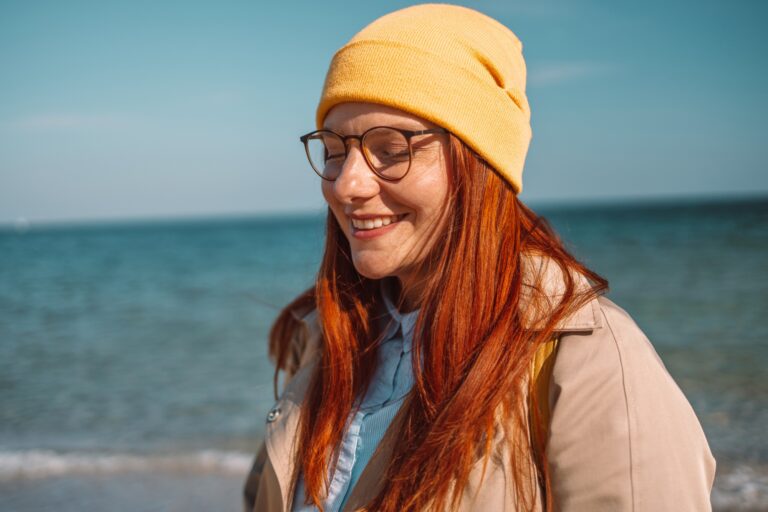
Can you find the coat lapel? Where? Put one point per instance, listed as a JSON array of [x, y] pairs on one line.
[[281, 436]]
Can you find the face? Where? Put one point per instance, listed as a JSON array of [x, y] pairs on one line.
[[388, 224]]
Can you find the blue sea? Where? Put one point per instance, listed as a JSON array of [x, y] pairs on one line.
[[133, 368]]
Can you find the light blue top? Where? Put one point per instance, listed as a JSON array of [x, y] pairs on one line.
[[391, 382]]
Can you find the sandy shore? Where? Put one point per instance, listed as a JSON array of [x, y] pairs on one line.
[[137, 492], [738, 488]]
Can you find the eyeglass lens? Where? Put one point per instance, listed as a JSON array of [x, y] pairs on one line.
[[386, 151]]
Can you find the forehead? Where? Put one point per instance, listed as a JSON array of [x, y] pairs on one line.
[[352, 118]]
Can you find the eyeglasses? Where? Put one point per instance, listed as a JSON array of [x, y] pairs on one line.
[[388, 151]]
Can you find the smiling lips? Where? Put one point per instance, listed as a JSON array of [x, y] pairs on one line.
[[375, 222], [374, 226]]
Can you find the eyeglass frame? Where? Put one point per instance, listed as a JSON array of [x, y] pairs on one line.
[[408, 134]]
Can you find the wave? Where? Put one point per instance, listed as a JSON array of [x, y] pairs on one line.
[[48, 463], [741, 488], [736, 488]]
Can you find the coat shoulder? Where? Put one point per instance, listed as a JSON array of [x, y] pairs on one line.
[[622, 432]]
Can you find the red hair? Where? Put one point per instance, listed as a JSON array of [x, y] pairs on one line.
[[472, 347]]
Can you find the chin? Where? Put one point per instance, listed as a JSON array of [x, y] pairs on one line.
[[371, 270], [365, 272]]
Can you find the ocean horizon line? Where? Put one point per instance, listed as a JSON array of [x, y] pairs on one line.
[[544, 206]]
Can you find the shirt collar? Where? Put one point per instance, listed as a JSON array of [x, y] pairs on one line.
[[405, 321]]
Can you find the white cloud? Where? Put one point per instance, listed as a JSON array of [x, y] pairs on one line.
[[560, 72], [64, 122]]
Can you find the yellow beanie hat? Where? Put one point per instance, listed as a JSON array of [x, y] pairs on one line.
[[448, 64]]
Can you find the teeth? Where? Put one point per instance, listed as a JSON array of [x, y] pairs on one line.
[[375, 223]]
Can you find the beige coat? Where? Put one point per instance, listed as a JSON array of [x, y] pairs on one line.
[[622, 435]]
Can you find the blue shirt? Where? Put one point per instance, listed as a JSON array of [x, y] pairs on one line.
[[391, 382]]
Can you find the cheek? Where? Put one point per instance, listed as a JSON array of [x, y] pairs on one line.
[[335, 206], [326, 188], [430, 195]]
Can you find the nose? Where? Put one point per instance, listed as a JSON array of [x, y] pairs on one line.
[[356, 182]]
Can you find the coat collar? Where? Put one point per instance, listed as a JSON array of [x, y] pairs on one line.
[[549, 293], [543, 289]]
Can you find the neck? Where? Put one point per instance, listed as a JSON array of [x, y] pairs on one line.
[[409, 293]]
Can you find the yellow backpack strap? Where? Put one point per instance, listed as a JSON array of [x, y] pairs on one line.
[[541, 371]]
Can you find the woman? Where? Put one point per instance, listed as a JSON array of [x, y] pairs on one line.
[[452, 355]]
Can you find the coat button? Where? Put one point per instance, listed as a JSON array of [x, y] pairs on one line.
[[273, 414]]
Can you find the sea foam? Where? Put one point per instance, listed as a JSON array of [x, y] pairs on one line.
[[47, 463], [739, 487]]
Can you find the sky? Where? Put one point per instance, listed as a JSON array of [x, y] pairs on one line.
[[160, 109]]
